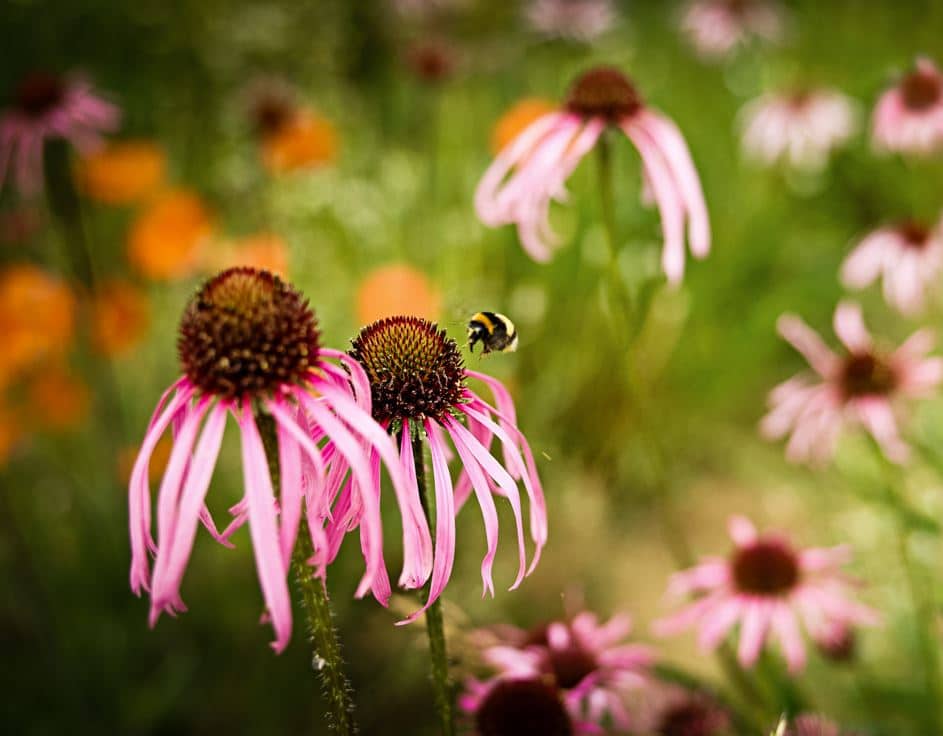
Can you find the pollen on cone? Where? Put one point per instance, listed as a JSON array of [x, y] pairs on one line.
[[305, 141], [123, 172], [396, 288], [120, 318], [516, 119], [165, 240]]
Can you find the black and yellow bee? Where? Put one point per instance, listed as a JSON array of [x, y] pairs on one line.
[[495, 332]]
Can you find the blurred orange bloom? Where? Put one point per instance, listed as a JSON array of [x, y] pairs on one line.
[[120, 317], [165, 240], [123, 172], [513, 122], [9, 433], [304, 141], [266, 251], [159, 458], [58, 399], [396, 288], [37, 318]]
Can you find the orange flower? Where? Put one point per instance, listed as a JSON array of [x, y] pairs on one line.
[[166, 239], [120, 317], [155, 470], [37, 318], [304, 141], [262, 250], [123, 172], [58, 399], [513, 122], [394, 289]]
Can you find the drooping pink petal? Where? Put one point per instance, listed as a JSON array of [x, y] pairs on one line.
[[289, 466], [849, 326], [417, 540], [804, 339], [741, 530], [756, 621], [787, 631]]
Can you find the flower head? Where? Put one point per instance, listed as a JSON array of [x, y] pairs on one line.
[[123, 172], [859, 387], [418, 391], [908, 118], [532, 170], [717, 27], [908, 257], [46, 107], [576, 20], [589, 663], [520, 706], [166, 239], [799, 128], [249, 343], [768, 586]]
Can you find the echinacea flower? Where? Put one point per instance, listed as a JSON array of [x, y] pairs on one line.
[[576, 20], [767, 586], [665, 709], [518, 707], [167, 238], [587, 661], [907, 257], [716, 27], [249, 343], [859, 387], [531, 171], [420, 395], [123, 172], [908, 118], [49, 107], [800, 129]]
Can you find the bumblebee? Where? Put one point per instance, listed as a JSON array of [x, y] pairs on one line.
[[495, 332]]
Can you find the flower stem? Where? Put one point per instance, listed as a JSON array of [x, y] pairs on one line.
[[327, 658], [621, 301], [66, 208], [441, 682]]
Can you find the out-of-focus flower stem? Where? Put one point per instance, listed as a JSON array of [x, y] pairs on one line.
[[441, 682], [620, 300], [65, 205], [327, 659]]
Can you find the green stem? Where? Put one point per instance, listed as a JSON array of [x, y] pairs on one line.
[[65, 205], [742, 682], [620, 300], [441, 682], [327, 658]]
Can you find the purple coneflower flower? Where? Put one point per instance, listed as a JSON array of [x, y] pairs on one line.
[[799, 128], [767, 586], [716, 27], [532, 170], [908, 257], [419, 391], [250, 342], [588, 661], [517, 707], [47, 107], [908, 118], [579, 20], [858, 388]]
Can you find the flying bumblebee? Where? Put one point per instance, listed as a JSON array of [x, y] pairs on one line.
[[495, 332]]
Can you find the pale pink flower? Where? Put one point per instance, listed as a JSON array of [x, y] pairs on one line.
[[579, 20], [419, 390], [250, 341], [770, 589], [859, 387], [799, 129], [532, 170], [589, 662], [717, 27], [908, 118], [908, 257], [48, 107]]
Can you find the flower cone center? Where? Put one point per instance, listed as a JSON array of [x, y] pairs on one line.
[[39, 93], [765, 568], [518, 707], [915, 234], [920, 90], [603, 92], [247, 332], [865, 375], [571, 665]]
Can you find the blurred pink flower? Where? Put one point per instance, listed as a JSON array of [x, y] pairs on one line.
[[579, 20], [908, 118], [716, 27], [532, 170], [249, 339], [417, 381], [581, 657], [799, 129], [768, 587], [47, 107], [857, 388], [670, 710], [518, 707], [909, 259]]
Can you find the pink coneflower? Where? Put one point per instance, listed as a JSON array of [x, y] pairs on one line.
[[532, 170], [577, 20], [419, 391], [249, 342], [800, 128], [857, 388], [767, 586], [908, 257], [716, 27], [518, 707], [47, 107], [588, 661], [908, 118], [670, 710]]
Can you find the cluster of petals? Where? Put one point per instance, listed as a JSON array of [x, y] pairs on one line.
[[908, 117], [588, 661], [717, 27], [799, 129], [579, 20], [907, 258], [816, 594], [814, 409]]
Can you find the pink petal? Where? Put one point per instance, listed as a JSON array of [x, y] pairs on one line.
[[289, 465], [804, 339], [741, 530], [787, 631], [756, 621], [417, 541], [849, 326]]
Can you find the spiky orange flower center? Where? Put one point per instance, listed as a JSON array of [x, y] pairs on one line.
[[516, 707], [603, 92]]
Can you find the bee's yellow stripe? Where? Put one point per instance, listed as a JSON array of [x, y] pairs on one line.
[[480, 317]]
